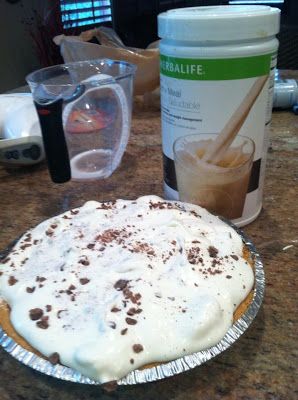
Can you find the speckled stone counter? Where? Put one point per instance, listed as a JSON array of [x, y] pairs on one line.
[[263, 363]]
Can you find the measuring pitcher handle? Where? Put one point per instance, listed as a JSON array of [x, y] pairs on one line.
[[50, 118]]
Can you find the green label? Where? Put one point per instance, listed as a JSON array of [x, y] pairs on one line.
[[215, 69]]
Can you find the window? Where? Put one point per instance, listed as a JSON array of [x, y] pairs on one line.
[[79, 13]]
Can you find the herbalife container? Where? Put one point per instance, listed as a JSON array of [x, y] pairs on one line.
[[217, 75]]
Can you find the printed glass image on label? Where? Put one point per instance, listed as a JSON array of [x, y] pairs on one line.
[[220, 188]]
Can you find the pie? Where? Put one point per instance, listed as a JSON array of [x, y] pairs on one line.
[[112, 287]]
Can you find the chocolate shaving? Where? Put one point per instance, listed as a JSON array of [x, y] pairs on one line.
[[132, 311], [142, 247], [84, 262], [137, 348], [59, 313], [130, 321], [236, 258], [54, 358], [35, 314], [123, 332], [132, 361], [129, 295], [105, 206], [161, 205], [74, 212], [40, 279], [24, 246], [48, 308], [43, 323], [30, 289], [115, 309], [121, 284], [23, 261], [12, 280], [112, 324], [84, 281], [212, 251], [228, 276], [193, 255], [215, 262], [108, 236], [90, 246], [28, 237]]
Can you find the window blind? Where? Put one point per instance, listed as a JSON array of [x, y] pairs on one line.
[[76, 13], [270, 2]]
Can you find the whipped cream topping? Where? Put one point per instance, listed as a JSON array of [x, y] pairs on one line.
[[110, 287]]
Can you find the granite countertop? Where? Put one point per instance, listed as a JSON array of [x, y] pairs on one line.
[[262, 364]]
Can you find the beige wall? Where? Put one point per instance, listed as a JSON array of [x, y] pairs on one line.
[[17, 52]]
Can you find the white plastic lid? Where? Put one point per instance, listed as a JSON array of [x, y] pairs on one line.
[[219, 23]]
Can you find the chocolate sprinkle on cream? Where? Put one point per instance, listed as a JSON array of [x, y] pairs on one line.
[[24, 246], [40, 279], [84, 262], [84, 281], [130, 321], [59, 313], [43, 323], [212, 251], [137, 348], [30, 289], [12, 280], [35, 314], [121, 284]]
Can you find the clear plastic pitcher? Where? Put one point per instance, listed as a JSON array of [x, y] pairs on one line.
[[84, 109]]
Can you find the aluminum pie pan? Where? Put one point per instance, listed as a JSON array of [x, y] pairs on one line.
[[166, 369]]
